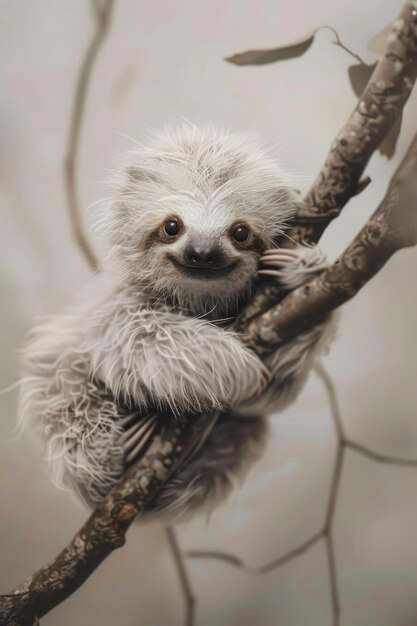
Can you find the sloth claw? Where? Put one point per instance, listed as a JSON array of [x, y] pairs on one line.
[[292, 267], [276, 258], [274, 273]]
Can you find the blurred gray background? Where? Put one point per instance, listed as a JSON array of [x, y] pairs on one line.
[[162, 62]]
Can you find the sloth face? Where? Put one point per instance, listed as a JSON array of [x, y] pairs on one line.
[[197, 253], [208, 255], [194, 212]]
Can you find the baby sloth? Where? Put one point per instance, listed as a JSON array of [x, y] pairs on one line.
[[192, 224]]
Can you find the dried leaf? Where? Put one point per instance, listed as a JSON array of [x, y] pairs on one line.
[[378, 42], [262, 57], [359, 75]]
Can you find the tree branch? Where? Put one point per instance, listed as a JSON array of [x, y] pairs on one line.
[[381, 103], [186, 588], [392, 227], [385, 459], [106, 528], [231, 559]]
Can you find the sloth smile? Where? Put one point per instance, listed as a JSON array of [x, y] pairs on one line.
[[203, 273]]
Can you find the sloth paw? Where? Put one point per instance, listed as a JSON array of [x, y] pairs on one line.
[[292, 267]]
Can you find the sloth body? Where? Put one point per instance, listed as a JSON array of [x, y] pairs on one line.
[[189, 227]]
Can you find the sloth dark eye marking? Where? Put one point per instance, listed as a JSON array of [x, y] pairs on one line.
[[172, 228], [240, 233]]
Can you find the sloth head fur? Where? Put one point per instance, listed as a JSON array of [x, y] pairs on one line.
[[193, 212]]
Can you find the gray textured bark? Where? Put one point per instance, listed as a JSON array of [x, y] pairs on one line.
[[266, 322], [381, 103], [392, 226]]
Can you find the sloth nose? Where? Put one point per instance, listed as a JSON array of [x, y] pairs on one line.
[[204, 257]]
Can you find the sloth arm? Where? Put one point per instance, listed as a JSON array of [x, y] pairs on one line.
[[100, 380], [157, 357]]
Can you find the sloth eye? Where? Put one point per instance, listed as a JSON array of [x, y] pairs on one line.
[[240, 233], [172, 228]]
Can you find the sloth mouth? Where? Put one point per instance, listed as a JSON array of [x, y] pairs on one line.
[[203, 273]]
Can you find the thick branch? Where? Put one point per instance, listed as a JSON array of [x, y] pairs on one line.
[[380, 105], [393, 226], [106, 528]]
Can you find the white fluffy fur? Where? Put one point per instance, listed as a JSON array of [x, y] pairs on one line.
[[149, 342], [209, 179]]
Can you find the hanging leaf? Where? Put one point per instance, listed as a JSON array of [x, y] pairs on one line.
[[262, 57], [359, 75]]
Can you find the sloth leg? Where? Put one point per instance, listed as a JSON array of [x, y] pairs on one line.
[[232, 447]]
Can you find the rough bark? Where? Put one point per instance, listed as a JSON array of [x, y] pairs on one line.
[[393, 226], [379, 106], [105, 529]]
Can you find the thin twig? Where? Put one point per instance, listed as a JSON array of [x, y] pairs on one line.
[[235, 561], [102, 12], [189, 597], [376, 456], [334, 491], [332, 398], [334, 589], [326, 532], [339, 43]]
